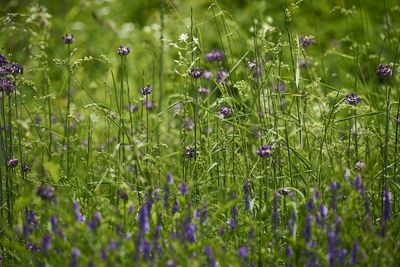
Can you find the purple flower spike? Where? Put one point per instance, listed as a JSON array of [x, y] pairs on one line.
[[203, 91], [243, 252], [46, 242], [78, 215], [3, 60], [360, 165], [226, 112], [195, 72], [352, 99], [75, 253], [95, 221], [264, 151], [183, 188]]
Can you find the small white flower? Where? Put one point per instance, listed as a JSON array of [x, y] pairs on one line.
[[183, 37], [196, 40]]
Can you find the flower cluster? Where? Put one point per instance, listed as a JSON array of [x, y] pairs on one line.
[[123, 50], [352, 99], [264, 151], [146, 90], [68, 39], [215, 55], [226, 112], [306, 41], [384, 70]]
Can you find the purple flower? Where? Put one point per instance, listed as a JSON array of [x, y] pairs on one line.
[[190, 231], [46, 242], [358, 182], [26, 168], [195, 72], [143, 219], [123, 50], [68, 39], [201, 214], [203, 91], [132, 107], [30, 224], [215, 55], [208, 251], [352, 99], [14, 69], [226, 112], [289, 251], [307, 228], [384, 70], [359, 165], [280, 86], [306, 41], [148, 104], [222, 76], [170, 178], [264, 151], [78, 215], [95, 221], [146, 90], [145, 249], [75, 253], [7, 86], [304, 63], [46, 192], [175, 206], [166, 195], [323, 210], [386, 205], [3, 60], [354, 252], [258, 69], [243, 252], [207, 75], [183, 188], [13, 162], [190, 152]]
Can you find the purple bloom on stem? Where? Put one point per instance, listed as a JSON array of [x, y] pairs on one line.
[[226, 112], [307, 228], [359, 165], [243, 252], [190, 231], [46, 192], [195, 72], [143, 219], [354, 252], [175, 206], [201, 214], [190, 152], [386, 205], [203, 91], [7, 86], [215, 55], [352, 99], [13, 162], [281, 87], [26, 168], [123, 50], [207, 75], [148, 104], [166, 195], [75, 253], [77, 213], [222, 76], [170, 178], [146, 90], [264, 151], [123, 195], [323, 210], [68, 39], [289, 251], [95, 221], [183, 188], [3, 60], [306, 41], [384, 70], [46, 242]]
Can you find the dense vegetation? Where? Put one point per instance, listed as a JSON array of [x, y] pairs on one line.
[[199, 133]]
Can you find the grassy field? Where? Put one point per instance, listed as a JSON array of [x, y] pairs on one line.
[[199, 133]]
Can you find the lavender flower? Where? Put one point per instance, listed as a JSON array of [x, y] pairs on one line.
[[143, 219], [226, 112], [358, 182], [289, 251], [280, 86], [386, 205], [175, 206], [384, 70], [13, 162], [146, 90], [75, 253], [257, 69], [359, 165], [46, 242], [208, 251], [170, 178], [307, 228], [352, 99], [323, 210], [190, 231], [148, 104], [201, 214], [243, 252], [7, 86], [183, 188], [13, 69], [190, 152], [95, 221], [123, 50], [166, 196], [306, 41], [195, 72], [3, 60], [215, 55], [222, 76], [78, 215], [30, 224], [207, 75], [354, 252], [68, 39], [46, 192], [264, 151], [132, 107]]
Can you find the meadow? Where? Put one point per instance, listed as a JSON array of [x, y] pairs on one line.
[[199, 133]]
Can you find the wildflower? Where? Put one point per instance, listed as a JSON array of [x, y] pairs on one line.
[[143, 219], [384, 70], [46, 192], [190, 231], [7, 86], [14, 69], [3, 60], [190, 152], [170, 178], [208, 251], [280, 86], [201, 214], [195, 72], [357, 182], [222, 76], [183, 37], [183, 188], [359, 165], [352, 99], [243, 252], [68, 39], [256, 68], [264, 151], [78, 215], [132, 107], [306, 41], [95, 221], [175, 206], [304, 63], [354, 252], [203, 91], [13, 162], [148, 104], [323, 210], [225, 112], [307, 229], [146, 90], [215, 55], [289, 251], [46, 242], [207, 75], [386, 205], [123, 50], [30, 224], [75, 253]]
